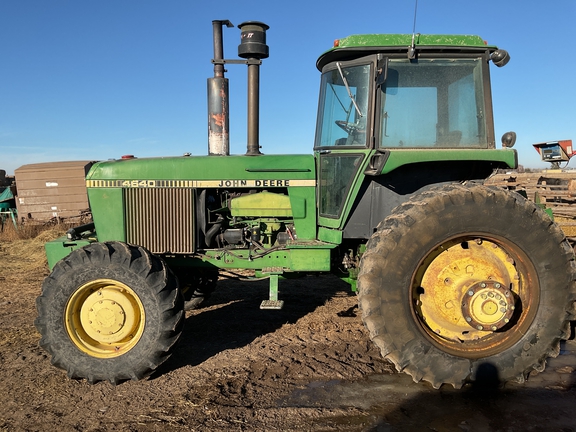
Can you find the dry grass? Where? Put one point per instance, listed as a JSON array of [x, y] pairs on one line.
[[567, 224], [22, 250], [28, 231]]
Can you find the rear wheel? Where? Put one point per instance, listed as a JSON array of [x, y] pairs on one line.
[[109, 311], [462, 276]]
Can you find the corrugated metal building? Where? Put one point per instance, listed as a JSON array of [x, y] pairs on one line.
[[52, 190]]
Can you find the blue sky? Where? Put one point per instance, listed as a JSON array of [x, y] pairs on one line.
[[94, 80]]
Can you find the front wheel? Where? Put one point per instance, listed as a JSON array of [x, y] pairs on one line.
[[110, 311], [461, 276]]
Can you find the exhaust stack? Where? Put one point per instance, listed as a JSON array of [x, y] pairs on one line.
[[218, 120]]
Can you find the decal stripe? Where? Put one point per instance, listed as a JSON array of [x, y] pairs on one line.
[[225, 183]]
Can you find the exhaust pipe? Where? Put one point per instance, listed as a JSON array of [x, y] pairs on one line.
[[218, 120], [253, 48]]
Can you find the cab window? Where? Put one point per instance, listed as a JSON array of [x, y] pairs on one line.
[[343, 108], [433, 102]]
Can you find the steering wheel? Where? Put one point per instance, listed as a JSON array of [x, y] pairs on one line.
[[348, 127]]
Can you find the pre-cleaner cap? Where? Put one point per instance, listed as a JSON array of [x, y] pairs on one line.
[[253, 40]]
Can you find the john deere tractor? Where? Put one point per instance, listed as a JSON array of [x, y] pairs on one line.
[[450, 274]]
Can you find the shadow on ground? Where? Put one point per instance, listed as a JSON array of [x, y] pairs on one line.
[[232, 317], [395, 403]]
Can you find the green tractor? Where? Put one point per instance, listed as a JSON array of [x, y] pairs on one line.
[[450, 274]]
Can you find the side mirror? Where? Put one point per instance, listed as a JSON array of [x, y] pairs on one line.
[[509, 139], [500, 57]]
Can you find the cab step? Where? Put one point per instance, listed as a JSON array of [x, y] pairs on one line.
[[273, 302]]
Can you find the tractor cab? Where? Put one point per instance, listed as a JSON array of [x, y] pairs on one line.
[[422, 97]]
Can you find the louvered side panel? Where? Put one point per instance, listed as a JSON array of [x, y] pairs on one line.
[[159, 219]]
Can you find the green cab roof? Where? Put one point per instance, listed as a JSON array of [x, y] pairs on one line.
[[356, 45]]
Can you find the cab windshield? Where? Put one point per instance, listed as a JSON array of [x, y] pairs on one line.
[[433, 102], [343, 109]]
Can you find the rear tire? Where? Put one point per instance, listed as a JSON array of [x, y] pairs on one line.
[[463, 276], [110, 312]]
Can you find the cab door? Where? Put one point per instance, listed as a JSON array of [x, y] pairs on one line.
[[343, 135]]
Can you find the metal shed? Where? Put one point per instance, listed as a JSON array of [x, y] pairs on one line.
[[52, 190]]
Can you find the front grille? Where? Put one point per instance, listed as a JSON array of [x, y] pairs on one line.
[[160, 219]]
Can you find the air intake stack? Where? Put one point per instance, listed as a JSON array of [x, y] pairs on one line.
[[253, 48]]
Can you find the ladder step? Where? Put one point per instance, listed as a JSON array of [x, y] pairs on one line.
[[272, 304]]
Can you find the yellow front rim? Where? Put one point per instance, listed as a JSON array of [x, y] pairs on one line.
[[104, 318], [475, 297]]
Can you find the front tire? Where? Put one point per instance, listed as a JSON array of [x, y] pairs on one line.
[[110, 312], [460, 276]]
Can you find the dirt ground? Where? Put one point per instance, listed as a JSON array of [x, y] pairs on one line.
[[234, 365], [308, 367]]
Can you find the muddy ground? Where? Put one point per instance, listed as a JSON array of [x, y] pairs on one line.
[[307, 367]]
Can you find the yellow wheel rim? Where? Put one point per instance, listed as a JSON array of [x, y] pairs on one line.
[[104, 318], [475, 296]]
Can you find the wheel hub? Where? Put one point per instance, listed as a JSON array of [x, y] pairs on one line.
[[466, 291], [107, 315], [105, 318], [487, 305]]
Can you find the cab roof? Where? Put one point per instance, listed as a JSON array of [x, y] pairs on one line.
[[358, 45]]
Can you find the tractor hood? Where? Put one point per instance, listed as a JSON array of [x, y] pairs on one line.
[[219, 171]]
